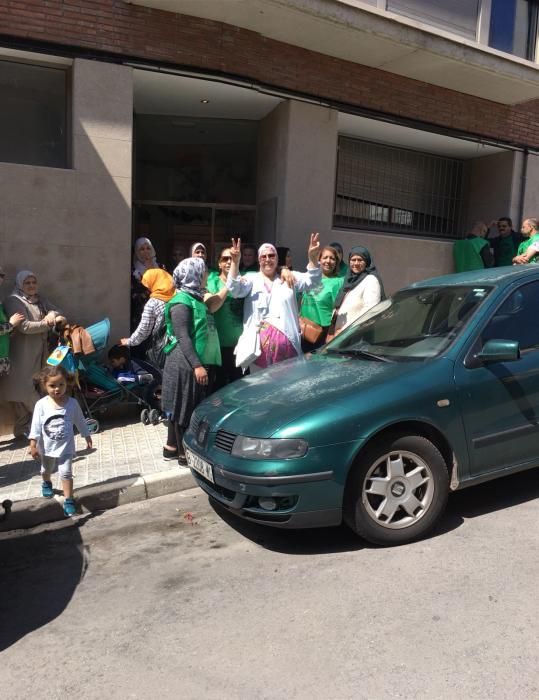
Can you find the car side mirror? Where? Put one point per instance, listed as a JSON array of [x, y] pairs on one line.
[[499, 351]]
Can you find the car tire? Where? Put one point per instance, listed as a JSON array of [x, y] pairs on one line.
[[397, 490]]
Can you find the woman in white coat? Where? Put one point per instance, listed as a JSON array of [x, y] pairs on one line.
[[362, 289], [270, 311]]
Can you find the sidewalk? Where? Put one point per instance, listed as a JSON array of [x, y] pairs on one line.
[[125, 454]]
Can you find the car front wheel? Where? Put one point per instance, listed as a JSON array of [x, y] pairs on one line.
[[397, 490]]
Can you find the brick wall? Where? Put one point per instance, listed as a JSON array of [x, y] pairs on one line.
[[116, 27]]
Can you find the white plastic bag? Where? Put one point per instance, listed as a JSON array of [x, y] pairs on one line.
[[248, 347]]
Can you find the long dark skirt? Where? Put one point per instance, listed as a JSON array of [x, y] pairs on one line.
[[181, 393]]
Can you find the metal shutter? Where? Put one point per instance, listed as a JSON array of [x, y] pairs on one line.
[[458, 16]]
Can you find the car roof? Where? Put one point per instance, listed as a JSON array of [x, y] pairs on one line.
[[491, 276]]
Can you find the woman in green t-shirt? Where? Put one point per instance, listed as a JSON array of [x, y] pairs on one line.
[[228, 316], [317, 305]]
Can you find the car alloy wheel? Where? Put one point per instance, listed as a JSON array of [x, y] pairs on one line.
[[397, 489]]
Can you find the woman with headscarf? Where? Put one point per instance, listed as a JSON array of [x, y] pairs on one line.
[[144, 258], [185, 379], [29, 348], [198, 250], [317, 304], [362, 289], [270, 309], [161, 287]]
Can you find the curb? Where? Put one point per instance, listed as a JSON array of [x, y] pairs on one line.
[[117, 492]]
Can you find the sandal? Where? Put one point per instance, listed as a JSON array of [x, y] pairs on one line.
[[182, 460], [70, 507]]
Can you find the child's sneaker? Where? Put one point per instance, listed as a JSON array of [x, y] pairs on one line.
[[46, 489], [69, 507]]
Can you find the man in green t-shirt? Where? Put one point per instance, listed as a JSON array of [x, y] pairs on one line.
[[528, 250], [473, 252]]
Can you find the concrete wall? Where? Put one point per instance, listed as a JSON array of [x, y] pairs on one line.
[[531, 197], [297, 154], [73, 227], [400, 260], [493, 188]]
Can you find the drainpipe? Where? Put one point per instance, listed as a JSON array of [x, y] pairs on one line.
[[523, 178]]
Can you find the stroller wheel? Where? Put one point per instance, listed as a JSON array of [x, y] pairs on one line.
[[154, 416], [145, 416], [93, 425]]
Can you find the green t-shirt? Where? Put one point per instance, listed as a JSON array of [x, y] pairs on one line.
[[317, 305], [229, 318], [467, 254], [523, 247]]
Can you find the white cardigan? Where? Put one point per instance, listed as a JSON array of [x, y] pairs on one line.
[[358, 301], [277, 306]]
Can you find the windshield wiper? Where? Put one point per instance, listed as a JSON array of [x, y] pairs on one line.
[[359, 352]]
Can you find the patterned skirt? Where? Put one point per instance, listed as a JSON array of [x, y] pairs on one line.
[[275, 346]]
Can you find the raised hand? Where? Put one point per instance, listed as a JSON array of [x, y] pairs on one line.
[[235, 250], [313, 250]]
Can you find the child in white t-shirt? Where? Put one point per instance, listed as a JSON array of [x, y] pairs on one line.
[[52, 439]]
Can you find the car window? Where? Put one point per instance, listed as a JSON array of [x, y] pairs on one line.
[[517, 318], [413, 324]]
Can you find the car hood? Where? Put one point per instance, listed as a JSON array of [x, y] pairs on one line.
[[264, 402]]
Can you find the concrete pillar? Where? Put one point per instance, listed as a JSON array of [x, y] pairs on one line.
[[297, 154], [531, 193], [72, 227], [493, 188]]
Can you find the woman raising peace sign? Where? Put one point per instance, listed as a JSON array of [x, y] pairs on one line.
[[270, 308]]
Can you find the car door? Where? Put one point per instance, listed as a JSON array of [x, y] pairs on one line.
[[500, 400]]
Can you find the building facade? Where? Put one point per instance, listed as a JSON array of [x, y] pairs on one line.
[[390, 123]]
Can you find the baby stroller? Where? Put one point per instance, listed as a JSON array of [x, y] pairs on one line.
[[96, 387]]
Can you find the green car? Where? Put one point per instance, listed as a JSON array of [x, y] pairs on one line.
[[433, 390]]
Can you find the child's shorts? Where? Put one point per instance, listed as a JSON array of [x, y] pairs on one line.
[[49, 464]]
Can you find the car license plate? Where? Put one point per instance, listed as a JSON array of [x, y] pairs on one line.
[[199, 465]]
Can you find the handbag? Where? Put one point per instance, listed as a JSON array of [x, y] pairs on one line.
[[156, 353], [248, 347], [310, 331]]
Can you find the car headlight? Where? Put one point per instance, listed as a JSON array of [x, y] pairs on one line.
[[269, 448]]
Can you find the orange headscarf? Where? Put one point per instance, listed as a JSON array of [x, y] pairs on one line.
[[160, 284]]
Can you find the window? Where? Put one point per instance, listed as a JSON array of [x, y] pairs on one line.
[[513, 27], [33, 116], [457, 16], [514, 320], [395, 189]]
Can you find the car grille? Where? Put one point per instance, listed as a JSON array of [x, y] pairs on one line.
[[224, 440]]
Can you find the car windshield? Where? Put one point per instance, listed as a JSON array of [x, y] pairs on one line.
[[414, 324]]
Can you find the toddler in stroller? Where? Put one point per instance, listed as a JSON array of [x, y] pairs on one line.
[[97, 386]]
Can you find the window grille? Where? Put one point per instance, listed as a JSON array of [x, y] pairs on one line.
[[397, 190]]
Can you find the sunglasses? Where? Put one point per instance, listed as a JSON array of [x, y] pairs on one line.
[[269, 256], [224, 258]]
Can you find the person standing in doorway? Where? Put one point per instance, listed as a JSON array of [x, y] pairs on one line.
[[249, 259]]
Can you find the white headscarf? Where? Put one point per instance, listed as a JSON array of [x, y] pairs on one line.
[[18, 290], [139, 268], [188, 276], [266, 248], [194, 247]]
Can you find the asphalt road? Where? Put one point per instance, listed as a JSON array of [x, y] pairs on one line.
[[172, 599]]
